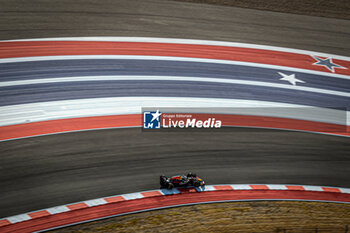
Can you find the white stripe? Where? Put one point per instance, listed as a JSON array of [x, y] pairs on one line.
[[276, 187], [132, 196], [240, 187], [58, 209], [313, 188], [166, 58], [345, 190], [188, 41], [96, 202], [176, 78], [19, 218], [53, 110]]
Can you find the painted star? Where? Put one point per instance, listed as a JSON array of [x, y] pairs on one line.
[[290, 78], [156, 115], [328, 63]]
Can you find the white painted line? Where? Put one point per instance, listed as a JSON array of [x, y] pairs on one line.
[[345, 190], [176, 78], [187, 41], [19, 218], [58, 209], [313, 188], [241, 187], [96, 202], [132, 196], [53, 110], [168, 58], [277, 187]]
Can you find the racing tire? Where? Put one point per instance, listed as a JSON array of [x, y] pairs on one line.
[[170, 186], [163, 181]]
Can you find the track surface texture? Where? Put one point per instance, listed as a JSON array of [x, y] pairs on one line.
[[172, 19], [66, 168], [51, 170], [327, 8]]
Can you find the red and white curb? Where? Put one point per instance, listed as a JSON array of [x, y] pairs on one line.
[[90, 210]]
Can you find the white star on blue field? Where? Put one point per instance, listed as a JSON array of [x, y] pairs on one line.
[[328, 63], [290, 78]]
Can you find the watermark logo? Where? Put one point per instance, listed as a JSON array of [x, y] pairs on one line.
[[151, 120], [189, 121], [154, 119]]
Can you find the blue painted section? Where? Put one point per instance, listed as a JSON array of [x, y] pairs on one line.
[[69, 68], [97, 89]]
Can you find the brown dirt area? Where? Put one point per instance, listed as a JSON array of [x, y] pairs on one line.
[[260, 216], [326, 8]]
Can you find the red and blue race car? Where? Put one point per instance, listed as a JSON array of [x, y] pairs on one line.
[[181, 181]]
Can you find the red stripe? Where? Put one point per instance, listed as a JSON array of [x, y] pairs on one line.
[[56, 48], [187, 190], [335, 190], [114, 199], [165, 201], [152, 194], [77, 206], [4, 222], [259, 187], [39, 214], [223, 187], [103, 122], [68, 125], [293, 187]]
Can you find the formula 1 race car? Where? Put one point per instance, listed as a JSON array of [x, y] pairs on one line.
[[181, 181]]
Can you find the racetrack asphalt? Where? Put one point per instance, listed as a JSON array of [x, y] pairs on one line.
[[51, 170], [163, 18]]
